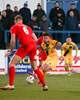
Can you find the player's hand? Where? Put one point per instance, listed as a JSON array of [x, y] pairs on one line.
[[8, 53]]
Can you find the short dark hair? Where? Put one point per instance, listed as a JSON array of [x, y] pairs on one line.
[[38, 4], [8, 5], [68, 37], [3, 11], [56, 2], [46, 34], [18, 17], [15, 7], [44, 15], [72, 4], [71, 11]]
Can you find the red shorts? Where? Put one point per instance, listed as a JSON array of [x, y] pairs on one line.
[[30, 50], [43, 56]]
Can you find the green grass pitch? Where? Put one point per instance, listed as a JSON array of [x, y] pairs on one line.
[[61, 87]]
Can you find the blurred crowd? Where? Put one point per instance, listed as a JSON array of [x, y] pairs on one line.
[[38, 20]]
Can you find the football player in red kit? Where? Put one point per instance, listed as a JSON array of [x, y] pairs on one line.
[[27, 40]]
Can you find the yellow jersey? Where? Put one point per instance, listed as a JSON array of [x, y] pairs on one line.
[[68, 48], [48, 47]]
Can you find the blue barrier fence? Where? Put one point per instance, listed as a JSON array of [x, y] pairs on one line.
[[64, 34]]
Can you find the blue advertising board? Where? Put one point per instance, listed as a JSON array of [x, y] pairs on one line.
[[23, 67]]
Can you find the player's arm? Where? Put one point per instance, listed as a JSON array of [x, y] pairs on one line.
[[34, 37], [43, 48], [76, 50], [57, 44], [62, 49], [75, 47], [12, 44], [62, 53], [40, 52]]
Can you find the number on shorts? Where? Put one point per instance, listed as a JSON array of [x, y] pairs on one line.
[[25, 30]]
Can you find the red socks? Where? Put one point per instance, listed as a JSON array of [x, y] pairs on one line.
[[11, 75], [40, 76]]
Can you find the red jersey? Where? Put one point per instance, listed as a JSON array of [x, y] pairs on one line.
[[40, 41], [23, 33]]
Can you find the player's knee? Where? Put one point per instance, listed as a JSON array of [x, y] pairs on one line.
[[11, 64], [46, 68], [42, 67]]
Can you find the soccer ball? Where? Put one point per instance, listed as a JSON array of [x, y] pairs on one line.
[[30, 79]]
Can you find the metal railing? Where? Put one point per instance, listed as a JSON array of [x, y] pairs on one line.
[[64, 34]]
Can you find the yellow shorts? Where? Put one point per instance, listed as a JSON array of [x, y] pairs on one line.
[[68, 60], [51, 61]]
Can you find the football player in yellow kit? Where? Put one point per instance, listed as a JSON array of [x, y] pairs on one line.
[[67, 47], [49, 46]]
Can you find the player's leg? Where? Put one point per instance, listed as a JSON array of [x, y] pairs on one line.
[[44, 68], [38, 72], [42, 58], [44, 74], [34, 74], [70, 63], [13, 62], [19, 54], [32, 56], [49, 64], [67, 67]]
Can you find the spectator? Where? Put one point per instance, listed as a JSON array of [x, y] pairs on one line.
[[58, 21], [9, 13], [1, 34], [44, 24], [58, 24], [33, 23], [15, 13], [39, 12], [73, 8], [71, 22], [25, 13], [54, 11], [5, 20]]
